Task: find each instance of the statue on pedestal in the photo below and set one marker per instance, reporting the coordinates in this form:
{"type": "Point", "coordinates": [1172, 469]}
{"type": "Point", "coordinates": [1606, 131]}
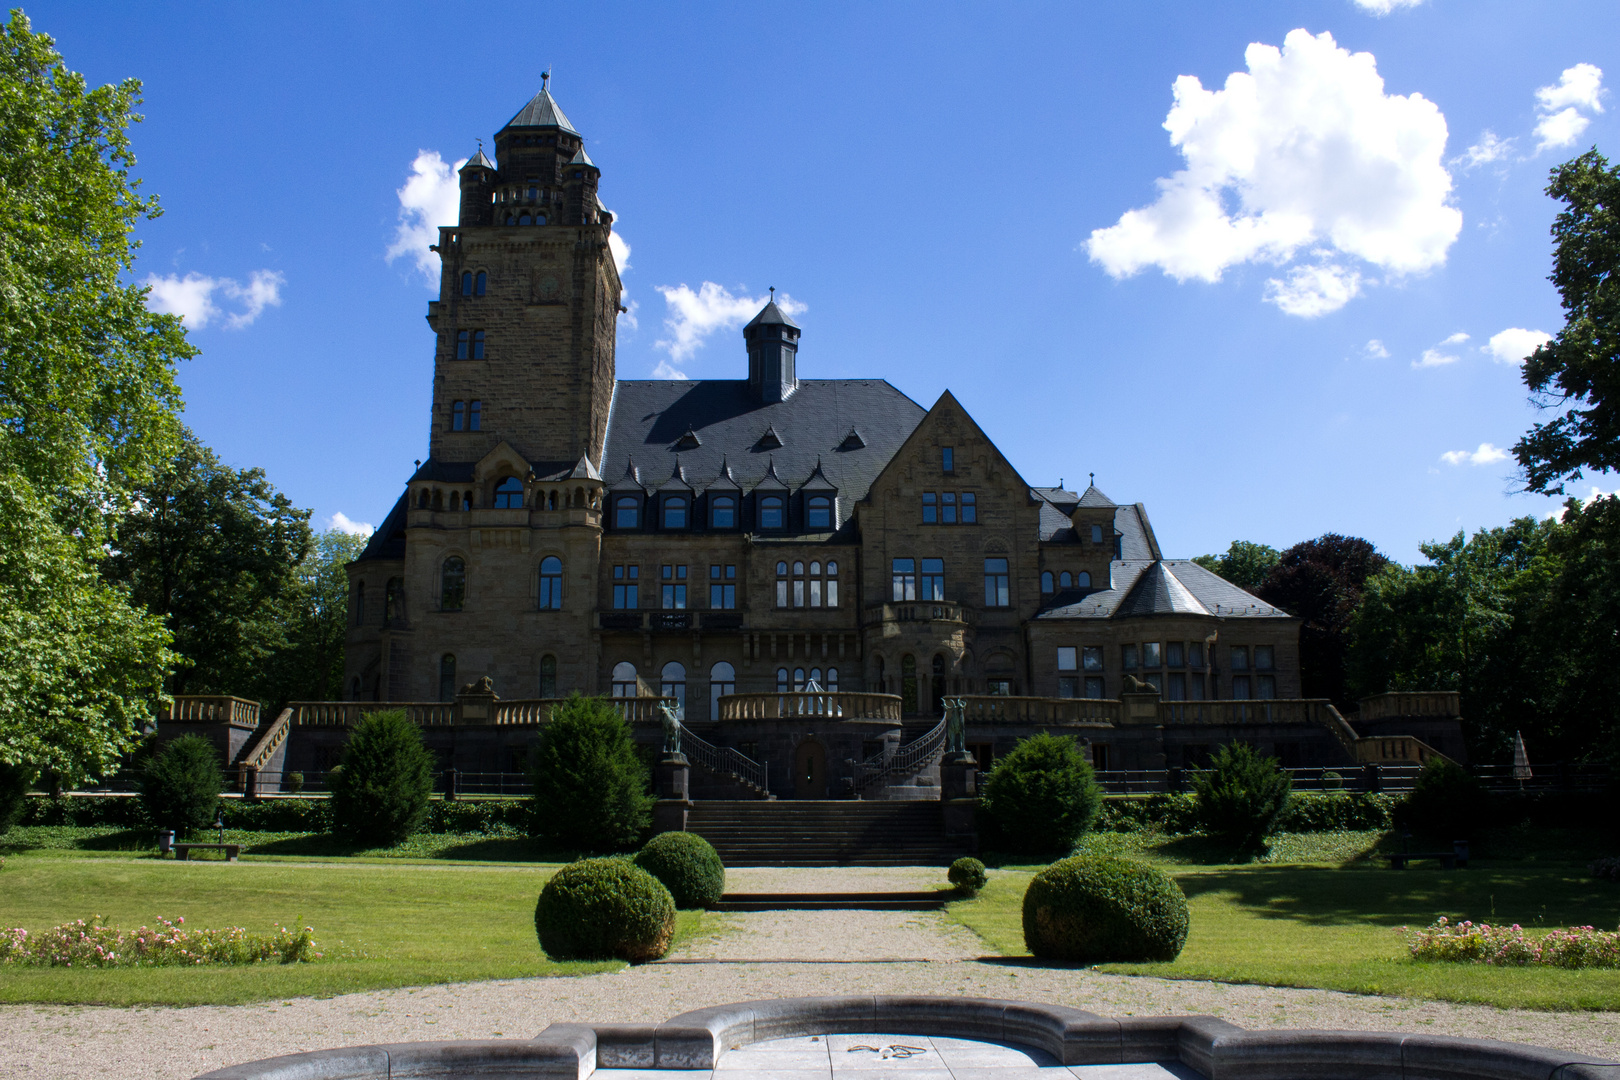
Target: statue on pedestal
{"type": "Point", "coordinates": [672, 730]}
{"type": "Point", "coordinates": [955, 726]}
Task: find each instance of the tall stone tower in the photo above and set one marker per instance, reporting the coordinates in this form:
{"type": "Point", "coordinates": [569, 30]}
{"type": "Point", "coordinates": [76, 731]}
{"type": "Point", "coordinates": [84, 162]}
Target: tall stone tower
{"type": "Point", "coordinates": [528, 300]}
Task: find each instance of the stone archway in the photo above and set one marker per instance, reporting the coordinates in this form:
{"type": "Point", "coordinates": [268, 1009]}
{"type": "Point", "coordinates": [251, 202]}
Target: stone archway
{"type": "Point", "coordinates": [810, 770]}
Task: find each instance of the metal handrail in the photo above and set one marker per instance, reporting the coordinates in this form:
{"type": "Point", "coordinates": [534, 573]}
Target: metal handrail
{"type": "Point", "coordinates": [911, 758]}
{"type": "Point", "coordinates": [723, 760]}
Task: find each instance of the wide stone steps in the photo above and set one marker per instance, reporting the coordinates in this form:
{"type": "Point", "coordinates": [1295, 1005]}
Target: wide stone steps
{"type": "Point", "coordinates": [825, 833]}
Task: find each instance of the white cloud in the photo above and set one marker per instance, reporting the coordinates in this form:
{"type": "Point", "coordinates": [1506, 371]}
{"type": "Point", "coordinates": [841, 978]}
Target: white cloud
{"type": "Point", "coordinates": [1513, 345]}
{"type": "Point", "coordinates": [1560, 105]}
{"type": "Point", "coordinates": [693, 316]}
{"type": "Point", "coordinates": [1488, 149]}
{"type": "Point", "coordinates": [1384, 7]}
{"type": "Point", "coordinates": [1304, 151]}
{"type": "Point", "coordinates": [341, 522]}
{"type": "Point", "coordinates": [1435, 356]}
{"type": "Point", "coordinates": [1485, 455]}
{"type": "Point", "coordinates": [1315, 290]}
{"type": "Point", "coordinates": [430, 197]}
{"type": "Point", "coordinates": [193, 297]}
{"type": "Point", "coordinates": [1375, 350]}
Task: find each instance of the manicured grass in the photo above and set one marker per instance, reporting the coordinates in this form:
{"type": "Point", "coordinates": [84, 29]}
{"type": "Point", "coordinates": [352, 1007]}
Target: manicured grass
{"type": "Point", "coordinates": [119, 840]}
{"type": "Point", "coordinates": [381, 924]}
{"type": "Point", "coordinates": [1334, 927]}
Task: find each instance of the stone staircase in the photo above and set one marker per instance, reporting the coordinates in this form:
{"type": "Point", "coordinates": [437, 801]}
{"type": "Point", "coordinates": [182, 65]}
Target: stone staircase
{"type": "Point", "coordinates": [826, 833]}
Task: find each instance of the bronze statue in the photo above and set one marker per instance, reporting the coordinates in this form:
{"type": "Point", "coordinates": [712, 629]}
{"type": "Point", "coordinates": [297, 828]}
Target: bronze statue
{"type": "Point", "coordinates": [955, 726]}
{"type": "Point", "coordinates": [672, 730]}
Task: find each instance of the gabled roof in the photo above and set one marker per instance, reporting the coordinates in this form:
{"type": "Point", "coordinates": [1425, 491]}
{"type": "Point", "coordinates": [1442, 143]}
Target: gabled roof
{"type": "Point", "coordinates": [1094, 498]}
{"type": "Point", "coordinates": [770, 479]}
{"type": "Point", "coordinates": [630, 481]}
{"type": "Point", "coordinates": [581, 158]}
{"type": "Point", "coordinates": [818, 481]}
{"type": "Point", "coordinates": [584, 470]}
{"type": "Point", "coordinates": [541, 111]}
{"type": "Point", "coordinates": [1143, 587]}
{"type": "Point", "coordinates": [1159, 592]}
{"type": "Point", "coordinates": [771, 315]}
{"type": "Point", "coordinates": [724, 481]}
{"type": "Point", "coordinates": [677, 479]}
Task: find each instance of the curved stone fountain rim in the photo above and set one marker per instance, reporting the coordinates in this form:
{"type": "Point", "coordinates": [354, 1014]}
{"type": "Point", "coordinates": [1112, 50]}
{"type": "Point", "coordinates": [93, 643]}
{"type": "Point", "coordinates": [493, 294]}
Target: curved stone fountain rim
{"type": "Point", "coordinates": [695, 1040]}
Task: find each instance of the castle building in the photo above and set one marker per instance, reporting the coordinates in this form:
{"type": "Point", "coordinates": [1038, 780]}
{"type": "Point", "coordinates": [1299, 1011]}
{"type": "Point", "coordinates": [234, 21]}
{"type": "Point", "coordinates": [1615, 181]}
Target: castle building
{"type": "Point", "coordinates": [570, 530]}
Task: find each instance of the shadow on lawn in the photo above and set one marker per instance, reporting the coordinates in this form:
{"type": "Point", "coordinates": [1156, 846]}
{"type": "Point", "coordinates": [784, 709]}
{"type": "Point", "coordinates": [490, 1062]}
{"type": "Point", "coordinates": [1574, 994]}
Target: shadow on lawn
{"type": "Point", "coordinates": [422, 846]}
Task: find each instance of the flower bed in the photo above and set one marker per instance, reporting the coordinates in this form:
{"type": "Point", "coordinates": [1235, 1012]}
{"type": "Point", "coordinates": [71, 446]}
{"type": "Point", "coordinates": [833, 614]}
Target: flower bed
{"type": "Point", "coordinates": [1511, 946]}
{"type": "Point", "coordinates": [94, 944]}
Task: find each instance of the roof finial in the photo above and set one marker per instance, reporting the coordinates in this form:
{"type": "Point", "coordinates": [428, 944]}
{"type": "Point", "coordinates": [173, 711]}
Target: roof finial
{"type": "Point", "coordinates": [1093, 479]}
{"type": "Point", "coordinates": [545, 77]}
{"type": "Point", "coordinates": [773, 294]}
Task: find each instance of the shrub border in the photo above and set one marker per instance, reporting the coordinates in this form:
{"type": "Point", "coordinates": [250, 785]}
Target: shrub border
{"type": "Point", "coordinates": [695, 1040]}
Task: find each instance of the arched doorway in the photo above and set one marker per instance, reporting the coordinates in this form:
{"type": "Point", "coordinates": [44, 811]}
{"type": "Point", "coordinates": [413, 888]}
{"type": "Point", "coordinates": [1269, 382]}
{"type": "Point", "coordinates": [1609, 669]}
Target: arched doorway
{"type": "Point", "coordinates": [810, 770]}
{"type": "Point", "coordinates": [673, 685]}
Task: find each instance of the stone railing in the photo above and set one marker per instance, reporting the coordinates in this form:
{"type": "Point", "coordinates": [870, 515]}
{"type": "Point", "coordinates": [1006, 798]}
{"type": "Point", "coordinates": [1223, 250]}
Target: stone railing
{"type": "Point", "coordinates": [884, 768]}
{"type": "Point", "coordinates": [1002, 709]}
{"type": "Point", "coordinates": [724, 761]}
{"type": "Point", "coordinates": [842, 706]}
{"type": "Point", "coordinates": [1441, 703]}
{"type": "Point", "coordinates": [1246, 711]}
{"type": "Point", "coordinates": [642, 710]}
{"type": "Point", "coordinates": [920, 611]}
{"type": "Point", "coordinates": [212, 709]}
{"type": "Point", "coordinates": [273, 737]}
{"type": "Point", "coordinates": [1396, 750]}
{"type": "Point", "coordinates": [348, 713]}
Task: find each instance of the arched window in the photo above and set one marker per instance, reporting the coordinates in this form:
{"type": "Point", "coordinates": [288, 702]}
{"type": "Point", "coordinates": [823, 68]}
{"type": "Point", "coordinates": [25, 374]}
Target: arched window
{"type": "Point", "coordinates": [509, 494]}
{"type": "Point", "coordinates": [1065, 581]}
{"type": "Point", "coordinates": [438, 500]}
{"type": "Point", "coordinates": [466, 283]}
{"type": "Point", "coordinates": [722, 681]}
{"type": "Point", "coordinates": [477, 347]}
{"type": "Point", "coordinates": [781, 680]}
{"type": "Point", "coordinates": [466, 500]}
{"type": "Point", "coordinates": [463, 344]}
{"type": "Point", "coordinates": [908, 684]}
{"type": "Point", "coordinates": [722, 512]}
{"type": "Point", "coordinates": [550, 584]}
{"type": "Point", "coordinates": [626, 512]}
{"type": "Point", "coordinates": [509, 219]}
{"type": "Point", "coordinates": [1046, 581]}
{"type": "Point", "coordinates": [539, 219]}
{"type": "Point", "coordinates": [525, 220]}
{"type": "Point", "coordinates": [832, 680]}
{"type": "Point", "coordinates": [354, 688]}
{"type": "Point", "coordinates": [798, 679]}
{"type": "Point", "coordinates": [673, 684]}
{"type": "Point", "coordinates": [480, 284]}
{"type": "Point", "coordinates": [819, 513]}
{"type": "Point", "coordinates": [548, 676]}
{"type": "Point", "coordinates": [359, 603]}
{"type": "Point", "coordinates": [447, 677]}
{"type": "Point", "coordinates": [393, 601]}
{"type": "Point", "coordinates": [674, 511]}
{"type": "Point", "coordinates": [1083, 579]}
{"type": "Point", "coordinates": [551, 501]}
{"type": "Point", "coordinates": [624, 680]}
{"type": "Point", "coordinates": [422, 499]}
{"type": "Point", "coordinates": [452, 584]}
{"type": "Point", "coordinates": [936, 685]}
{"type": "Point", "coordinates": [475, 409]}
{"type": "Point", "coordinates": [770, 512]}
{"type": "Point", "coordinates": [458, 416]}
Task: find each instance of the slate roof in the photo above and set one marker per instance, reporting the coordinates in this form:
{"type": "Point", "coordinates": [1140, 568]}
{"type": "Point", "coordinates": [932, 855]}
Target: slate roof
{"type": "Point", "coordinates": [650, 416]}
{"type": "Point", "coordinates": [582, 158]}
{"type": "Point", "coordinates": [771, 315]}
{"type": "Point", "coordinates": [1093, 497]}
{"type": "Point", "coordinates": [541, 111]}
{"type": "Point", "coordinates": [388, 542]}
{"type": "Point", "coordinates": [1147, 587]}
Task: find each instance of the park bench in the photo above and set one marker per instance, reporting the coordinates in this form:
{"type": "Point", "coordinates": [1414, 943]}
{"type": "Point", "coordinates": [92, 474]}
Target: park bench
{"type": "Point", "coordinates": [183, 851]}
{"type": "Point", "coordinates": [1456, 858]}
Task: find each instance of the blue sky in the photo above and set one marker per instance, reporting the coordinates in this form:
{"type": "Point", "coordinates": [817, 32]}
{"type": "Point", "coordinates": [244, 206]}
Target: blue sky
{"type": "Point", "coordinates": [1266, 345]}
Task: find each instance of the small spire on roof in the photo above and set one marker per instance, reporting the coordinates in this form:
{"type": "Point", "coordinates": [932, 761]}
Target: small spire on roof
{"type": "Point", "coordinates": [545, 77]}
{"type": "Point", "coordinates": [1093, 479]}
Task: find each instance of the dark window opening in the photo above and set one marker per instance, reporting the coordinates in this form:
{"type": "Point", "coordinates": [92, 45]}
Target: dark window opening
{"type": "Point", "coordinates": [509, 494]}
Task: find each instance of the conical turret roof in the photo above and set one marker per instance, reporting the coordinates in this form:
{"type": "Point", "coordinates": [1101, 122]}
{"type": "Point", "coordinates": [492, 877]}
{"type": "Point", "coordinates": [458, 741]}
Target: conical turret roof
{"type": "Point", "coordinates": [542, 111]}
{"type": "Point", "coordinates": [770, 314]}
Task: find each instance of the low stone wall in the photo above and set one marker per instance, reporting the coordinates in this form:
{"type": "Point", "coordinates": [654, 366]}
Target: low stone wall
{"type": "Point", "coordinates": [695, 1040]}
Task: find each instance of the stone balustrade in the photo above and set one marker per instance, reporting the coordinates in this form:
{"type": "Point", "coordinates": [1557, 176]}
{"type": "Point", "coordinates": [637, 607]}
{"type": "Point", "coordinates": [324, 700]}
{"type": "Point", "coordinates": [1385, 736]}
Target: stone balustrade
{"type": "Point", "coordinates": [781, 706]}
{"type": "Point", "coordinates": [1440, 703]}
{"type": "Point", "coordinates": [1004, 709]}
{"type": "Point", "coordinates": [1255, 711]}
{"type": "Point", "coordinates": [211, 709]}
{"type": "Point", "coordinates": [920, 611]}
{"type": "Point", "coordinates": [348, 713]}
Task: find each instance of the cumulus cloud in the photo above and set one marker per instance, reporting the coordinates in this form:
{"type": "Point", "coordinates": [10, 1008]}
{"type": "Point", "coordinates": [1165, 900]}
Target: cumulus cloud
{"type": "Point", "coordinates": [1513, 345]}
{"type": "Point", "coordinates": [1375, 350]}
{"type": "Point", "coordinates": [1488, 149]}
{"type": "Point", "coordinates": [1579, 90]}
{"type": "Point", "coordinates": [1485, 455]}
{"type": "Point", "coordinates": [695, 315]}
{"type": "Point", "coordinates": [343, 524]}
{"type": "Point", "coordinates": [193, 297]}
{"type": "Point", "coordinates": [1437, 356]}
{"type": "Point", "coordinates": [430, 197]}
{"type": "Point", "coordinates": [1302, 152]}
{"type": "Point", "coordinates": [1384, 7]}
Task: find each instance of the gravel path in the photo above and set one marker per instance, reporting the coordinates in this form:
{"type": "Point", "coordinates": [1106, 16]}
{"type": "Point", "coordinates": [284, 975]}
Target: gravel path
{"type": "Point", "coordinates": [68, 1043]}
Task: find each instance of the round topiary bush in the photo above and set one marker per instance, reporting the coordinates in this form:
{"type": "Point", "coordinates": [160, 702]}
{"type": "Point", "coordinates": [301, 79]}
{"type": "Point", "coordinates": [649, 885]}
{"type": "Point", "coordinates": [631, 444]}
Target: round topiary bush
{"type": "Point", "coordinates": [1096, 909]}
{"type": "Point", "coordinates": [380, 793]}
{"type": "Point", "coordinates": [604, 909]}
{"type": "Point", "coordinates": [967, 874]}
{"type": "Point", "coordinates": [180, 784]}
{"type": "Point", "coordinates": [688, 866]}
{"type": "Point", "coordinates": [1041, 797]}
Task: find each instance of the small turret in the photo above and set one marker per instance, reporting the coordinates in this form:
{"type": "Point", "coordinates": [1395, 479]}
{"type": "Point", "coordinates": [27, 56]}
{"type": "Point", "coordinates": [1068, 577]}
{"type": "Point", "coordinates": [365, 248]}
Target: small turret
{"type": "Point", "coordinates": [773, 348]}
{"type": "Point", "coordinates": [477, 182]}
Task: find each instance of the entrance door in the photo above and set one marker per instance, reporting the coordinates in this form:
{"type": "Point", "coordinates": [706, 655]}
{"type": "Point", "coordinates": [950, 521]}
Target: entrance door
{"type": "Point", "coordinates": [810, 770]}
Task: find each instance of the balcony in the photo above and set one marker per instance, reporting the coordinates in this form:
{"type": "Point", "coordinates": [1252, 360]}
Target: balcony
{"type": "Point", "coordinates": [916, 611]}
{"type": "Point", "coordinates": [784, 706]}
{"type": "Point", "coordinates": [669, 620]}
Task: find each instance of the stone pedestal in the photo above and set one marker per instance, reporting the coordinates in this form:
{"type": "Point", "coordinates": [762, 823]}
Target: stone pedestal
{"type": "Point", "coordinates": [673, 779]}
{"type": "Point", "coordinates": [959, 776]}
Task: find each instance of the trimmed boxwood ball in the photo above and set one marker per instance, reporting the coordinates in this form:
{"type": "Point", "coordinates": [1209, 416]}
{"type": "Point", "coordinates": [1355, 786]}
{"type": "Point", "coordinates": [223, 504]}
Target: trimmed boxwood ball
{"type": "Point", "coordinates": [688, 866]}
{"type": "Point", "coordinates": [604, 909]}
{"type": "Point", "coordinates": [1098, 909]}
{"type": "Point", "coordinates": [967, 874]}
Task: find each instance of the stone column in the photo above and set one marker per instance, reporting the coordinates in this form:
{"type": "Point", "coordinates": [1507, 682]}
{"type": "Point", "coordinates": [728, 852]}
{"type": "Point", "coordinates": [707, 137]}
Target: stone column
{"type": "Point", "coordinates": [959, 791]}
{"type": "Point", "coordinates": [673, 775]}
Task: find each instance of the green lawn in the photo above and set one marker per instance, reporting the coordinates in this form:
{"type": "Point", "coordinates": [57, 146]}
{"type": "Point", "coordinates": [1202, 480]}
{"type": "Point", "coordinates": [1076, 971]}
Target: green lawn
{"type": "Point", "coordinates": [381, 923]}
{"type": "Point", "coordinates": [1331, 926]}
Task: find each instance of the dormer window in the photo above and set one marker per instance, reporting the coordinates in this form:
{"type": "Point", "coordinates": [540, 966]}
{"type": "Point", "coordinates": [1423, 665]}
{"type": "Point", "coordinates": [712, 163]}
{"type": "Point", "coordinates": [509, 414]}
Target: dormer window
{"type": "Point", "coordinates": [852, 441]}
{"type": "Point", "coordinates": [509, 494]}
{"type": "Point", "coordinates": [818, 513]}
{"type": "Point", "coordinates": [772, 512]}
{"type": "Point", "coordinates": [626, 512]}
{"type": "Point", "coordinates": [675, 511]}
{"type": "Point", "coordinates": [722, 512]}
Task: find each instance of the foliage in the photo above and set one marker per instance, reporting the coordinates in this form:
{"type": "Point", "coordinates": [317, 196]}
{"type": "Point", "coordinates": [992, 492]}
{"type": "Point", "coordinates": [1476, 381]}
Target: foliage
{"type": "Point", "coordinates": [1242, 797]}
{"type": "Point", "coordinates": [381, 794]}
{"type": "Point", "coordinates": [967, 876]}
{"type": "Point", "coordinates": [15, 780]}
{"type": "Point", "coordinates": [1041, 797]}
{"type": "Point", "coordinates": [1309, 812]}
{"type": "Point", "coordinates": [1605, 869]}
{"type": "Point", "coordinates": [181, 783]}
{"type": "Point", "coordinates": [1580, 368]}
{"type": "Point", "coordinates": [1320, 582]}
{"type": "Point", "coordinates": [590, 784]}
{"type": "Point", "coordinates": [93, 944]}
{"type": "Point", "coordinates": [1482, 943]}
{"type": "Point", "coordinates": [604, 909]}
{"type": "Point", "coordinates": [1094, 909]}
{"type": "Point", "coordinates": [219, 554]}
{"type": "Point", "coordinates": [688, 866]}
{"type": "Point", "coordinates": [1445, 803]}
{"type": "Point", "coordinates": [88, 403]}
{"type": "Point", "coordinates": [1245, 564]}
{"type": "Point", "coordinates": [315, 671]}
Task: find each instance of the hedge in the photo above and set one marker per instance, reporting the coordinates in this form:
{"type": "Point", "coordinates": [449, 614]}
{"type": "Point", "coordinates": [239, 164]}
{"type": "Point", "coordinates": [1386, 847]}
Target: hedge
{"type": "Point", "coordinates": [491, 816]}
{"type": "Point", "coordinates": [1306, 812]}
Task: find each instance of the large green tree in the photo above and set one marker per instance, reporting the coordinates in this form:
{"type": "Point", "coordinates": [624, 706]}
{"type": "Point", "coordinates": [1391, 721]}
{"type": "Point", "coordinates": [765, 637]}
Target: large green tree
{"type": "Point", "coordinates": [1245, 563]}
{"type": "Point", "coordinates": [1320, 582]}
{"type": "Point", "coordinates": [1579, 370]}
{"type": "Point", "coordinates": [88, 404]}
{"type": "Point", "coordinates": [322, 618]}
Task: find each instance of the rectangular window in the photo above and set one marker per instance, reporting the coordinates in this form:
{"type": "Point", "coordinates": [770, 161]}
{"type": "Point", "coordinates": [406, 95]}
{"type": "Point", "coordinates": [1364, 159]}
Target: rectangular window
{"type": "Point", "coordinates": [781, 592]}
{"type": "Point", "coordinates": [930, 508]}
{"type": "Point", "coordinates": [1240, 687]}
{"type": "Point", "coordinates": [1264, 658]}
{"type": "Point", "coordinates": [815, 592]}
{"type": "Point", "coordinates": [1151, 657]}
{"type": "Point", "coordinates": [798, 592]}
{"type": "Point", "coordinates": [947, 508]}
{"type": "Point", "coordinates": [1127, 657]}
{"type": "Point", "coordinates": [1266, 688]}
{"type": "Point", "coordinates": [1195, 688]}
{"type": "Point", "coordinates": [998, 687]}
{"type": "Point", "coordinates": [1099, 756]}
{"type": "Point", "coordinates": [475, 411]}
{"type": "Point", "coordinates": [1066, 658]}
{"type": "Point", "coordinates": [1096, 534]}
{"type": "Point", "coordinates": [624, 587]}
{"type": "Point", "coordinates": [674, 588]}
{"type": "Point", "coordinates": [1240, 658]}
{"type": "Point", "coordinates": [1094, 686]}
{"type": "Point", "coordinates": [1068, 686]}
{"type": "Point", "coordinates": [933, 580]}
{"type": "Point", "coordinates": [947, 459]}
{"type": "Point", "coordinates": [458, 416]}
{"type": "Point", "coordinates": [1177, 686]}
{"type": "Point", "coordinates": [1195, 654]}
{"type": "Point", "coordinates": [1173, 656]}
{"type": "Point", "coordinates": [904, 579]}
{"type": "Point", "coordinates": [970, 508]}
{"type": "Point", "coordinates": [1092, 657]}
{"type": "Point", "coordinates": [1155, 680]}
{"type": "Point", "coordinates": [722, 597]}
{"type": "Point", "coordinates": [832, 591]}
{"type": "Point", "coordinates": [997, 587]}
